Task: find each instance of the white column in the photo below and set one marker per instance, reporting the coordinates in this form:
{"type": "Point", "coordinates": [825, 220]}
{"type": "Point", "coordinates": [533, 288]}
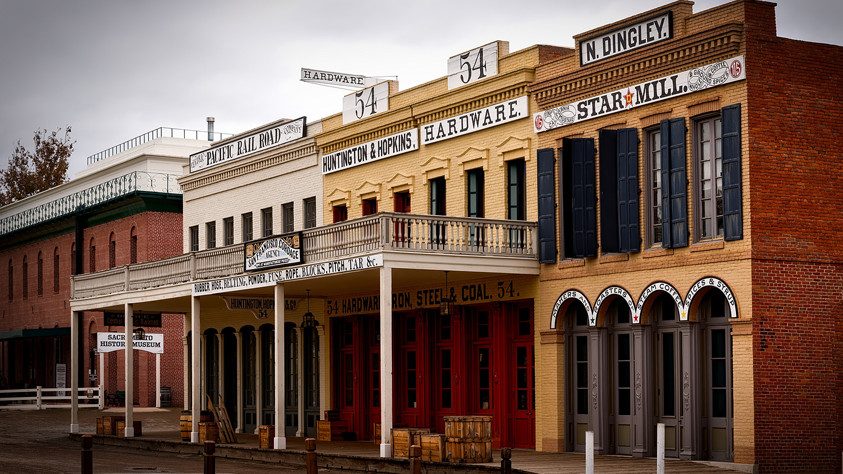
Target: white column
{"type": "Point", "coordinates": [74, 370]}
{"type": "Point", "coordinates": [239, 373]}
{"type": "Point", "coordinates": [660, 448]}
{"type": "Point", "coordinates": [258, 380]}
{"type": "Point", "coordinates": [386, 360]}
{"type": "Point", "coordinates": [185, 365]}
{"type": "Point", "coordinates": [158, 380]}
{"type": "Point", "coordinates": [128, 326]}
{"type": "Point", "coordinates": [195, 337]}
{"type": "Point", "coordinates": [589, 452]}
{"type": "Point", "coordinates": [300, 382]}
{"type": "Point", "coordinates": [324, 376]}
{"type": "Point", "coordinates": [221, 368]}
{"type": "Point", "coordinates": [102, 380]}
{"type": "Point", "coordinates": [280, 383]}
{"type": "Point", "coordinates": [203, 359]}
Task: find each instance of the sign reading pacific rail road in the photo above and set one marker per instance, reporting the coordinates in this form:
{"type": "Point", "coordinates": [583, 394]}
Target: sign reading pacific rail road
{"type": "Point", "coordinates": [249, 144]}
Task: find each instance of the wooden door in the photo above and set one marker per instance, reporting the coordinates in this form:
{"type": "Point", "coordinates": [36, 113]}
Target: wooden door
{"type": "Point", "coordinates": [522, 381]}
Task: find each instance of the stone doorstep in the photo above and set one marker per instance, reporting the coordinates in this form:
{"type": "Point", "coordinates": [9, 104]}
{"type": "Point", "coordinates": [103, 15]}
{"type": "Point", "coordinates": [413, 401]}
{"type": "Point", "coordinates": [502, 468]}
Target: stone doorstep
{"type": "Point", "coordinates": [290, 457]}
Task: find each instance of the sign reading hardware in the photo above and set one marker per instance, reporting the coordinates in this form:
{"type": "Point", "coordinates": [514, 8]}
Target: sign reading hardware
{"type": "Point", "coordinates": [475, 120]}
{"type": "Point", "coordinates": [139, 319]}
{"type": "Point", "coordinates": [365, 103]}
{"type": "Point", "coordinates": [471, 66]}
{"type": "Point", "coordinates": [685, 82]}
{"type": "Point", "coordinates": [335, 78]}
{"type": "Point", "coordinates": [278, 251]}
{"type": "Point", "coordinates": [401, 142]}
{"type": "Point", "coordinates": [116, 341]}
{"type": "Point", "coordinates": [262, 280]}
{"type": "Point", "coordinates": [626, 39]}
{"type": "Point", "coordinates": [263, 140]}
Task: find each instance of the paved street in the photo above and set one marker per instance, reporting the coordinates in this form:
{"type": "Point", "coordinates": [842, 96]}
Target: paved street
{"type": "Point", "coordinates": [37, 441]}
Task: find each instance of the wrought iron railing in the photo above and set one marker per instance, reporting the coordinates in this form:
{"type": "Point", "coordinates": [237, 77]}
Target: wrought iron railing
{"type": "Point", "coordinates": [160, 132]}
{"type": "Point", "coordinates": [385, 231]}
{"type": "Point", "coordinates": [95, 195]}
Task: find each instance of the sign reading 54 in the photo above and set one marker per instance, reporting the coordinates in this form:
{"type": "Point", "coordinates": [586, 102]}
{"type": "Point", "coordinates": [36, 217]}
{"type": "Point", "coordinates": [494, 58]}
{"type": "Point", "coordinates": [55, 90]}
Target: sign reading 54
{"type": "Point", "coordinates": [365, 103]}
{"type": "Point", "coordinates": [473, 65]}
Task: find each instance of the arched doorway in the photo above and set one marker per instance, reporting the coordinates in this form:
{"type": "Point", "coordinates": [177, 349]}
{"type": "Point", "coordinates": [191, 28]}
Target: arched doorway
{"type": "Point", "coordinates": [229, 356]}
{"type": "Point", "coordinates": [248, 369]}
{"type": "Point", "coordinates": [577, 331]}
{"type": "Point", "coordinates": [667, 358]}
{"type": "Point", "coordinates": [210, 365]}
{"type": "Point", "coordinates": [622, 362]}
{"type": "Point", "coordinates": [291, 373]}
{"type": "Point", "coordinates": [311, 379]}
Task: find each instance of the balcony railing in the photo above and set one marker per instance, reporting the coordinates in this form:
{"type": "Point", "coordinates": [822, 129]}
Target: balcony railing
{"type": "Point", "coordinates": [101, 193]}
{"type": "Point", "coordinates": [385, 231]}
{"type": "Point", "coordinates": [160, 132]}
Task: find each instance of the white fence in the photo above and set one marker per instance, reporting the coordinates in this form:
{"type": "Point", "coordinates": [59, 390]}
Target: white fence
{"type": "Point", "coordinates": [40, 398]}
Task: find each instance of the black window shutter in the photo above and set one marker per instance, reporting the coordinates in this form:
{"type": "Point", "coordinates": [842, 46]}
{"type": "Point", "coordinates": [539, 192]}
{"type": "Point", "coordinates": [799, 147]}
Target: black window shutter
{"type": "Point", "coordinates": [628, 191]}
{"type": "Point", "coordinates": [678, 185]}
{"type": "Point", "coordinates": [732, 196]}
{"type": "Point", "coordinates": [667, 237]}
{"type": "Point", "coordinates": [566, 225]}
{"type": "Point", "coordinates": [609, 191]}
{"type": "Point", "coordinates": [584, 199]}
{"type": "Point", "coordinates": [547, 205]}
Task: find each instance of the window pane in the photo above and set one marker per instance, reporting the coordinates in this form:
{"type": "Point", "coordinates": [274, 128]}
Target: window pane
{"type": "Point", "coordinates": [718, 403]}
{"type": "Point", "coordinates": [668, 408]}
{"type": "Point", "coordinates": [582, 348]}
{"type": "Point", "coordinates": [623, 346]}
{"type": "Point", "coordinates": [582, 401]}
{"type": "Point", "coordinates": [582, 374]}
{"type": "Point", "coordinates": [718, 343]}
{"type": "Point", "coordinates": [623, 374]}
{"type": "Point", "coordinates": [623, 401]}
{"type": "Point", "coordinates": [718, 373]}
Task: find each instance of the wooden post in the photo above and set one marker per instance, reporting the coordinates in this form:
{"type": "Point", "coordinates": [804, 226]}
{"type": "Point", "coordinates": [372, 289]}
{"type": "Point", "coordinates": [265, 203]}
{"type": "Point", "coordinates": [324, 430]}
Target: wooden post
{"type": "Point", "coordinates": [210, 460]}
{"type": "Point", "coordinates": [87, 454]}
{"type": "Point", "coordinates": [506, 460]}
{"type": "Point", "coordinates": [310, 456]}
{"type": "Point", "coordinates": [415, 459]}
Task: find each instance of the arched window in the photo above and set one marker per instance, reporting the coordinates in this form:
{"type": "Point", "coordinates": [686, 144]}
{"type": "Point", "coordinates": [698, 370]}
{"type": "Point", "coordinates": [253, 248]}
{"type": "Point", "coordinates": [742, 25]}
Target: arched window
{"type": "Point", "coordinates": [11, 280]}
{"type": "Point", "coordinates": [56, 270]}
{"type": "Point", "coordinates": [133, 246]}
{"type": "Point", "coordinates": [73, 258]}
{"type": "Point", "coordinates": [40, 283]}
{"type": "Point", "coordinates": [112, 251]}
{"type": "Point", "coordinates": [92, 256]}
{"type": "Point", "coordinates": [25, 277]}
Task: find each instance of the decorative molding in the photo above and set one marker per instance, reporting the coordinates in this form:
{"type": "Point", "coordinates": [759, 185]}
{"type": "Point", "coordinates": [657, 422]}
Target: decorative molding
{"type": "Point", "coordinates": [513, 148]}
{"type": "Point", "coordinates": [594, 387]}
{"type": "Point", "coordinates": [339, 196]}
{"type": "Point", "coordinates": [435, 167]}
{"type": "Point", "coordinates": [686, 393]}
{"type": "Point", "coordinates": [368, 190]}
{"type": "Point", "coordinates": [473, 158]}
{"type": "Point", "coordinates": [638, 389]}
{"type": "Point", "coordinates": [399, 183]}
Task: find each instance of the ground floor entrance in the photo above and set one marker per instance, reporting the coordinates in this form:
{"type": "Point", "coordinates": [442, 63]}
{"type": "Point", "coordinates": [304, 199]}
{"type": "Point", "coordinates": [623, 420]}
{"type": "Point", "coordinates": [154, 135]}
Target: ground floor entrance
{"type": "Point", "coordinates": [475, 360]}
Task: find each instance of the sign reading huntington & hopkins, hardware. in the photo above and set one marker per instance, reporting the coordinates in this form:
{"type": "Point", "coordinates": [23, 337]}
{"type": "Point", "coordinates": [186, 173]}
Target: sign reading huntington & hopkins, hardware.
{"type": "Point", "coordinates": [270, 252]}
{"type": "Point", "coordinates": [469, 122]}
{"type": "Point", "coordinates": [249, 144]}
{"type": "Point", "coordinates": [685, 82]}
{"type": "Point", "coordinates": [386, 147]}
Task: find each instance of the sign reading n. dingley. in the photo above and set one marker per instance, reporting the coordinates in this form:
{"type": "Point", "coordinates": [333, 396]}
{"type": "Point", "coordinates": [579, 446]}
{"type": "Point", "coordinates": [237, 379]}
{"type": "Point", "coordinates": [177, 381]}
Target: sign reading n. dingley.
{"type": "Point", "coordinates": [491, 116]}
{"type": "Point", "coordinates": [685, 82]}
{"type": "Point", "coordinates": [116, 341]}
{"type": "Point", "coordinates": [626, 38]}
{"type": "Point", "coordinates": [249, 144]}
{"type": "Point", "coordinates": [396, 144]}
{"type": "Point", "coordinates": [278, 251]}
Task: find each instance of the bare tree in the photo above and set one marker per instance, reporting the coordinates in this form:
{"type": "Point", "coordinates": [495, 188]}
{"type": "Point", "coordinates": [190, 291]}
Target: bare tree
{"type": "Point", "coordinates": [29, 172]}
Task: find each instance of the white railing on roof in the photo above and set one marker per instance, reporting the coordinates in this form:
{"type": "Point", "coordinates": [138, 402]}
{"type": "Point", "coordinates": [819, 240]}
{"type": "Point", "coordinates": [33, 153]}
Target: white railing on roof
{"type": "Point", "coordinates": [160, 132]}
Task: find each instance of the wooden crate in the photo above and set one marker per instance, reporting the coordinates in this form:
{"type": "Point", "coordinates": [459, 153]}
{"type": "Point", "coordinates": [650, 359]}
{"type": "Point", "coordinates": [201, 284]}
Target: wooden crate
{"type": "Point", "coordinates": [468, 439]}
{"type": "Point", "coordinates": [432, 447]}
{"type": "Point", "coordinates": [120, 428]}
{"type": "Point", "coordinates": [100, 429]}
{"type": "Point", "coordinates": [459, 450]}
{"type": "Point", "coordinates": [376, 429]}
{"type": "Point", "coordinates": [186, 422]}
{"type": "Point", "coordinates": [266, 436]}
{"type": "Point", "coordinates": [109, 424]}
{"type": "Point", "coordinates": [209, 431]}
{"type": "Point", "coordinates": [323, 430]}
{"type": "Point", "coordinates": [403, 438]}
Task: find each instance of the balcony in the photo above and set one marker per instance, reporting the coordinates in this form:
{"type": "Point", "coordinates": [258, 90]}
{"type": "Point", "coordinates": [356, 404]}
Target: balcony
{"type": "Point", "coordinates": [382, 232]}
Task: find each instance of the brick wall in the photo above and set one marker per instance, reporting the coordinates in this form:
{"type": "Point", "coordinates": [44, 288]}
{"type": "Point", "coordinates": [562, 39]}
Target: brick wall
{"type": "Point", "coordinates": [797, 226]}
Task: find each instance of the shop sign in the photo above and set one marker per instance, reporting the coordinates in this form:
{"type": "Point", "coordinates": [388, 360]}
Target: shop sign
{"type": "Point", "coordinates": [626, 39]}
{"type": "Point", "coordinates": [401, 142]}
{"type": "Point", "coordinates": [572, 295]}
{"type": "Point", "coordinates": [261, 280]}
{"type": "Point", "coordinates": [473, 65]}
{"type": "Point", "coordinates": [716, 283]}
{"type": "Point", "coordinates": [469, 122]}
{"type": "Point", "coordinates": [248, 145]}
{"type": "Point", "coordinates": [116, 341]}
{"type": "Point", "coordinates": [262, 308]}
{"type": "Point", "coordinates": [139, 319]}
{"type": "Point", "coordinates": [430, 297]}
{"type": "Point", "coordinates": [659, 286]}
{"type": "Point", "coordinates": [316, 76]}
{"type": "Point", "coordinates": [619, 291]}
{"type": "Point", "coordinates": [271, 252]}
{"type": "Point", "coordinates": [685, 82]}
{"type": "Point", "coordinates": [365, 103]}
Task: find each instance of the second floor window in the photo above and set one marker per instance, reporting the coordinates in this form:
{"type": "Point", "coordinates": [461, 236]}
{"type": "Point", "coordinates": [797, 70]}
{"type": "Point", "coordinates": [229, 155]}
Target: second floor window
{"type": "Point", "coordinates": [112, 251]}
{"type": "Point", "coordinates": [474, 188]}
{"type": "Point", "coordinates": [266, 222]}
{"type": "Point", "coordinates": [709, 154]}
{"type": "Point", "coordinates": [40, 283]}
{"type": "Point", "coordinates": [25, 278]}
{"type": "Point", "coordinates": [211, 234]}
{"type": "Point", "coordinates": [516, 195]}
{"type": "Point", "coordinates": [228, 230]}
{"type": "Point", "coordinates": [194, 238]}
{"type": "Point", "coordinates": [11, 281]}
{"type": "Point", "coordinates": [92, 257]}
{"type": "Point", "coordinates": [309, 212]}
{"type": "Point", "coordinates": [340, 213]}
{"type": "Point", "coordinates": [246, 220]}
{"type": "Point", "coordinates": [133, 246]}
{"type": "Point", "coordinates": [287, 217]}
{"type": "Point", "coordinates": [56, 270]}
{"type": "Point", "coordinates": [654, 187]}
{"type": "Point", "coordinates": [370, 206]}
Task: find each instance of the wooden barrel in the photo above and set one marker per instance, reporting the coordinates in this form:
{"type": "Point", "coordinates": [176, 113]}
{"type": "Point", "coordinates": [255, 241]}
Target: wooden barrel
{"type": "Point", "coordinates": [209, 431]}
{"type": "Point", "coordinates": [468, 438]}
{"type": "Point", "coordinates": [186, 422]}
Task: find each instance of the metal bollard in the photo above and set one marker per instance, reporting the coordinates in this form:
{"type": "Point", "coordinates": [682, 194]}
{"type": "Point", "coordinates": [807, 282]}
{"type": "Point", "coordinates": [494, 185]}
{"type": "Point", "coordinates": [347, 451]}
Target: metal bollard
{"type": "Point", "coordinates": [87, 454]}
{"type": "Point", "coordinates": [506, 460]}
{"type": "Point", "coordinates": [310, 456]}
{"type": "Point", "coordinates": [660, 448]}
{"type": "Point", "coordinates": [589, 452]}
{"type": "Point", "coordinates": [210, 460]}
{"type": "Point", "coordinates": [415, 459]}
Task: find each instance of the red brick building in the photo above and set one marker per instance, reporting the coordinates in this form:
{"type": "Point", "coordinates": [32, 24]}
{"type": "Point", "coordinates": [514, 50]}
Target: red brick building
{"type": "Point", "coordinates": [124, 208]}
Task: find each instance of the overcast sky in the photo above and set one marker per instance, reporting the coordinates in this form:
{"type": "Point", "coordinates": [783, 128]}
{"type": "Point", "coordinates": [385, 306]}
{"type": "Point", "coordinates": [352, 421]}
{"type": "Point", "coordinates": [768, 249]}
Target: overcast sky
{"type": "Point", "coordinates": [116, 69]}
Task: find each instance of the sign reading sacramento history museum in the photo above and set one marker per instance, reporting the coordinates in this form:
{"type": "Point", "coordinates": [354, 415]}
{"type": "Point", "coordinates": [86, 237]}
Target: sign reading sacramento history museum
{"type": "Point", "coordinates": [249, 144]}
{"type": "Point", "coordinates": [368, 152]}
{"type": "Point", "coordinates": [685, 82]}
{"type": "Point", "coordinates": [273, 252]}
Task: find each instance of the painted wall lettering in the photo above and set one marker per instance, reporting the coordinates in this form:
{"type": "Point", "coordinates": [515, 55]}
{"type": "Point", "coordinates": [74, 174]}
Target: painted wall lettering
{"type": "Point", "coordinates": [401, 142]}
{"type": "Point", "coordinates": [491, 116]}
{"type": "Point", "coordinates": [627, 38]}
{"type": "Point", "coordinates": [249, 144]}
{"type": "Point", "coordinates": [473, 65]}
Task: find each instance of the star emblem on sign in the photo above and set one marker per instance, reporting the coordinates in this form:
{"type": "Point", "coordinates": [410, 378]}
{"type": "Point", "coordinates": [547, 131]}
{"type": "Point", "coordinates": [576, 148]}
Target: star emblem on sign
{"type": "Point", "coordinates": [628, 97]}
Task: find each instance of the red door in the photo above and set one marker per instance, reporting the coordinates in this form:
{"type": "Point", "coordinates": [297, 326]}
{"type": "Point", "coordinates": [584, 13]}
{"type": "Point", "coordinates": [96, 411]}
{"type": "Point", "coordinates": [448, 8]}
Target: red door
{"type": "Point", "coordinates": [372, 399]}
{"type": "Point", "coordinates": [345, 377]}
{"type": "Point", "coordinates": [523, 380]}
